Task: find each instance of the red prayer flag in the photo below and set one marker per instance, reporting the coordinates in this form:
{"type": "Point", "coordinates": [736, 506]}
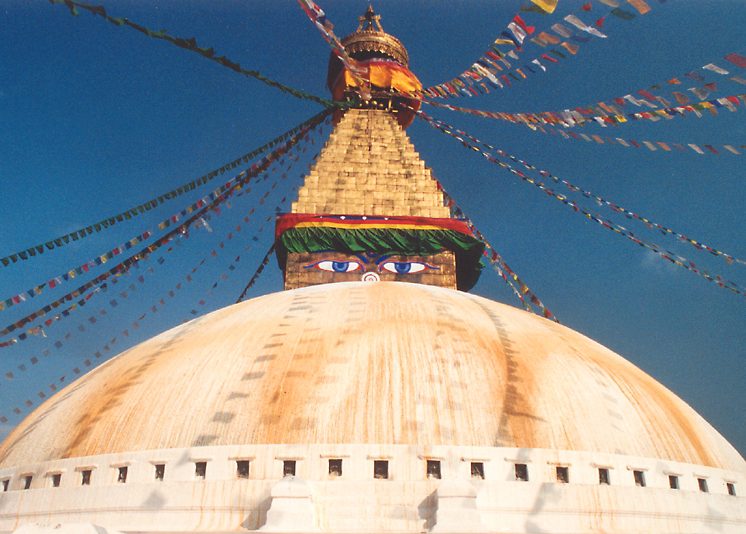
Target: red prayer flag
{"type": "Point", "coordinates": [600, 22]}
{"type": "Point", "coordinates": [737, 59]}
{"type": "Point", "coordinates": [587, 6]}
{"type": "Point", "coordinates": [528, 29]}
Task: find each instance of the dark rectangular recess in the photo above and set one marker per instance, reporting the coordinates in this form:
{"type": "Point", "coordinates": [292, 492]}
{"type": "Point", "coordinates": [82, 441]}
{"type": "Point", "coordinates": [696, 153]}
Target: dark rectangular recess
{"type": "Point", "coordinates": [639, 477]}
{"type": "Point", "coordinates": [702, 483]}
{"type": "Point", "coordinates": [433, 469]}
{"type": "Point", "coordinates": [673, 481]}
{"type": "Point", "coordinates": [288, 468]}
{"type": "Point", "coordinates": [731, 488]}
{"type": "Point", "coordinates": [56, 480]}
{"type": "Point", "coordinates": [160, 471]}
{"type": "Point", "coordinates": [27, 481]}
{"type": "Point", "coordinates": [563, 474]}
{"type": "Point", "coordinates": [6, 483]}
{"type": "Point", "coordinates": [85, 477]}
{"type": "Point", "coordinates": [200, 470]}
{"type": "Point", "coordinates": [380, 469]}
{"type": "Point", "coordinates": [122, 474]}
{"type": "Point", "coordinates": [477, 470]}
{"type": "Point", "coordinates": [242, 469]}
{"type": "Point", "coordinates": [521, 472]}
{"type": "Point", "coordinates": [335, 467]}
{"type": "Point", "coordinates": [603, 476]}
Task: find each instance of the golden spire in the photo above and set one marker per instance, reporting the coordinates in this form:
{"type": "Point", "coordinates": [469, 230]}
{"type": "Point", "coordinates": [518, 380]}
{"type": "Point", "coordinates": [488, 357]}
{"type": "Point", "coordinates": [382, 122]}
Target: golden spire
{"type": "Point", "coordinates": [371, 40]}
{"type": "Point", "coordinates": [369, 19]}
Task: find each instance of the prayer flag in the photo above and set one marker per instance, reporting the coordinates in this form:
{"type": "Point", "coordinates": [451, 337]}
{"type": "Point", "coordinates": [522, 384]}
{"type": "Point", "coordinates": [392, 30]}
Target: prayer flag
{"type": "Point", "coordinates": [715, 68]}
{"type": "Point", "coordinates": [538, 64]}
{"type": "Point", "coordinates": [579, 24]}
{"type": "Point", "coordinates": [737, 59]}
{"type": "Point", "coordinates": [610, 3]}
{"type": "Point", "coordinates": [701, 92]}
{"type": "Point", "coordinates": [528, 29]}
{"type": "Point", "coordinates": [640, 5]}
{"type": "Point", "coordinates": [573, 49]}
{"type": "Point", "coordinates": [547, 6]}
{"type": "Point", "coordinates": [548, 38]}
{"type": "Point", "coordinates": [696, 148]}
{"type": "Point", "coordinates": [681, 98]}
{"type": "Point", "coordinates": [561, 30]}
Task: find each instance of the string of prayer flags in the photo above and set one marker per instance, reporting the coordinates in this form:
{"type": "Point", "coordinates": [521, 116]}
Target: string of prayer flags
{"type": "Point", "coordinates": [128, 214]}
{"type": "Point", "coordinates": [573, 118]}
{"type": "Point", "coordinates": [257, 273]}
{"type": "Point", "coordinates": [202, 206]}
{"type": "Point", "coordinates": [604, 222]}
{"type": "Point", "coordinates": [76, 271]}
{"type": "Point", "coordinates": [33, 360]}
{"type": "Point", "coordinates": [322, 23]}
{"type": "Point", "coordinates": [500, 67]}
{"type": "Point", "coordinates": [601, 201]}
{"type": "Point", "coordinates": [519, 288]}
{"type": "Point", "coordinates": [191, 45]}
{"type": "Point", "coordinates": [89, 362]}
{"type": "Point", "coordinates": [653, 146]}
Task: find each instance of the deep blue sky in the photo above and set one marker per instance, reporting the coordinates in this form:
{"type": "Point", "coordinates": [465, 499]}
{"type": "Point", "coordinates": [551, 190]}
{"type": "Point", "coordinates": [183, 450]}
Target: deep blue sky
{"type": "Point", "coordinates": [95, 119]}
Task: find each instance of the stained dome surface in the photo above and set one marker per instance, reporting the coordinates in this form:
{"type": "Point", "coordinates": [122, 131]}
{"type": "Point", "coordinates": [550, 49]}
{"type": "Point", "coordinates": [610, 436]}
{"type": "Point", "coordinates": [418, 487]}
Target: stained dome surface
{"type": "Point", "coordinates": [354, 362]}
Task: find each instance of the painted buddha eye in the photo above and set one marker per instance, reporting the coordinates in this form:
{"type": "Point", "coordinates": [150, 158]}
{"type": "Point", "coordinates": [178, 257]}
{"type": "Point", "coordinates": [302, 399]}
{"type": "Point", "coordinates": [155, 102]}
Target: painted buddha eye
{"type": "Point", "coordinates": [336, 266]}
{"type": "Point", "coordinates": [406, 267]}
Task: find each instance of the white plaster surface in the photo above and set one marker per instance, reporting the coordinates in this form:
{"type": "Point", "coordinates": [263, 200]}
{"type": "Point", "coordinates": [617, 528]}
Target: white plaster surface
{"type": "Point", "coordinates": [362, 372]}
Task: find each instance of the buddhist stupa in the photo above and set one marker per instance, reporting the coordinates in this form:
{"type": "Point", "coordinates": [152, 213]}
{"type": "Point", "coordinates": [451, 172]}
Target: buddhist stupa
{"type": "Point", "coordinates": [372, 394]}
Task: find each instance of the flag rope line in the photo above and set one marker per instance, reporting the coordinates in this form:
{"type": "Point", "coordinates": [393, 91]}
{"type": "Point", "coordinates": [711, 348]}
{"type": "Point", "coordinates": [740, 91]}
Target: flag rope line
{"type": "Point", "coordinates": [191, 45]}
{"type": "Point", "coordinates": [498, 263]}
{"type": "Point", "coordinates": [105, 257]}
{"type": "Point", "coordinates": [571, 119]}
{"type": "Point", "coordinates": [88, 362]}
{"type": "Point", "coordinates": [216, 200]}
{"type": "Point", "coordinates": [599, 219]}
{"type": "Point", "coordinates": [486, 71]}
{"type": "Point", "coordinates": [258, 272]}
{"type": "Point", "coordinates": [317, 15]}
{"type": "Point", "coordinates": [103, 224]}
{"type": "Point", "coordinates": [699, 245]}
{"type": "Point", "coordinates": [188, 278]}
{"type": "Point", "coordinates": [652, 146]}
{"type": "Point", "coordinates": [97, 354]}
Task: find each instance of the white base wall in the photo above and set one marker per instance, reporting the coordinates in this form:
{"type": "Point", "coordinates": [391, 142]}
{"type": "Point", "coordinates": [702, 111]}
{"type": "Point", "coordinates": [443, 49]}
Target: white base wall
{"type": "Point", "coordinates": [357, 502]}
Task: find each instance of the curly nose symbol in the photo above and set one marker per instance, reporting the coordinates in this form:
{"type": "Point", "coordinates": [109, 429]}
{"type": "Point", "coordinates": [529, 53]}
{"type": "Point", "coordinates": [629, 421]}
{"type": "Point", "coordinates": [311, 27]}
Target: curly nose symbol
{"type": "Point", "coordinates": [371, 277]}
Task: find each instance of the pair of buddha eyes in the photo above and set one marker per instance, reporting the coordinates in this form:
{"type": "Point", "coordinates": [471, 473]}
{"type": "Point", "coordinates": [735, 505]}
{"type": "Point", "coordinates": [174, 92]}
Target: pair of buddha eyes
{"type": "Point", "coordinates": [396, 267]}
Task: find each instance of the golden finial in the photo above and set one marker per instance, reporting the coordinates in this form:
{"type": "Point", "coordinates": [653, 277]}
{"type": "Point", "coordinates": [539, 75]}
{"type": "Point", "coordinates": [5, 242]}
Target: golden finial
{"type": "Point", "coordinates": [369, 20]}
{"type": "Point", "coordinates": [370, 38]}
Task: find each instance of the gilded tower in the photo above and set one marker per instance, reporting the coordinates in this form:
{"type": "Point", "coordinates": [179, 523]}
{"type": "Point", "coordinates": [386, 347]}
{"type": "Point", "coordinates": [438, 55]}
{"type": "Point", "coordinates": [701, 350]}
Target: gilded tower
{"type": "Point", "coordinates": [369, 208]}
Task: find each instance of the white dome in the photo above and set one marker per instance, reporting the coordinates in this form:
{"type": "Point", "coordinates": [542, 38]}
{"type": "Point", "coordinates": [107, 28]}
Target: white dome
{"type": "Point", "coordinates": [387, 363]}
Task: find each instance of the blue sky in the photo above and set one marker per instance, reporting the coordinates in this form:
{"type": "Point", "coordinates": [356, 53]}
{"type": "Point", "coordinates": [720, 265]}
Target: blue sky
{"type": "Point", "coordinates": [97, 118]}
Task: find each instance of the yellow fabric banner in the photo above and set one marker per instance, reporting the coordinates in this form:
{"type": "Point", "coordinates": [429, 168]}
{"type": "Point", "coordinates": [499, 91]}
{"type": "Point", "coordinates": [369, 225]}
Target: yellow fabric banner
{"type": "Point", "coordinates": [548, 6]}
{"type": "Point", "coordinates": [387, 76]}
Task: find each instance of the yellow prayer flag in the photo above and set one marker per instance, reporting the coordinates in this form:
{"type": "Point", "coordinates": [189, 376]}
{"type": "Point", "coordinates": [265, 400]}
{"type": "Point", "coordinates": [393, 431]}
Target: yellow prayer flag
{"type": "Point", "coordinates": [573, 49]}
{"type": "Point", "coordinates": [548, 6]}
{"type": "Point", "coordinates": [640, 5]}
